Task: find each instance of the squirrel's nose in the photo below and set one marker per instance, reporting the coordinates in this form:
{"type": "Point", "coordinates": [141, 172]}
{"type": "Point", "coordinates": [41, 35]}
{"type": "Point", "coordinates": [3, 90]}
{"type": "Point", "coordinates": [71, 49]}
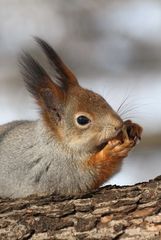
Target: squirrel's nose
{"type": "Point", "coordinates": [118, 125]}
{"type": "Point", "coordinates": [116, 121]}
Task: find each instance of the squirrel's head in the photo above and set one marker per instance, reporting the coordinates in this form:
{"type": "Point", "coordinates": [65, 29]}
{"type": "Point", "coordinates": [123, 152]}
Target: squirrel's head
{"type": "Point", "coordinates": [77, 117]}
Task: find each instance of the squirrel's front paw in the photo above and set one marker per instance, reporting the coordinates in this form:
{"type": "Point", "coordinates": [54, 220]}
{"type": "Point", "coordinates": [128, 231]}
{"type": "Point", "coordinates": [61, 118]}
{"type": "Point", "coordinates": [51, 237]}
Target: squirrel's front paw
{"type": "Point", "coordinates": [133, 130]}
{"type": "Point", "coordinates": [117, 150]}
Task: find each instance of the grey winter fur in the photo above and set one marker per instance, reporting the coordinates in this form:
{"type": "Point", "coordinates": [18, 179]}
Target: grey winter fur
{"type": "Point", "coordinates": [32, 162]}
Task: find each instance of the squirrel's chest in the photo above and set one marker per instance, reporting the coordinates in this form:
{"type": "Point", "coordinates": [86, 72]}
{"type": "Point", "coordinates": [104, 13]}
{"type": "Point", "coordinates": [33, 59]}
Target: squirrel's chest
{"type": "Point", "coordinates": [65, 174]}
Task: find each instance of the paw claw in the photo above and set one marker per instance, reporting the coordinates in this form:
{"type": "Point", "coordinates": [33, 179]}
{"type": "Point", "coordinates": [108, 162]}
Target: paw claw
{"type": "Point", "coordinates": [134, 131]}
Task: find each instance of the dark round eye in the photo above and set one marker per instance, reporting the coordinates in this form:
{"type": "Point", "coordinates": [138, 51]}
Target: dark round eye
{"type": "Point", "coordinates": [83, 120]}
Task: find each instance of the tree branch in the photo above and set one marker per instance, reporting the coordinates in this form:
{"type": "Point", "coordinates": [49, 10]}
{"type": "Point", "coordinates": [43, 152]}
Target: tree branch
{"type": "Point", "coordinates": [112, 212]}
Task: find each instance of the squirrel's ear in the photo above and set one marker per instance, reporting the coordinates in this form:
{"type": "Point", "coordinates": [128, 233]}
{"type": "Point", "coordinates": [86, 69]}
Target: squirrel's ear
{"type": "Point", "coordinates": [49, 95]}
{"type": "Point", "coordinates": [64, 74]}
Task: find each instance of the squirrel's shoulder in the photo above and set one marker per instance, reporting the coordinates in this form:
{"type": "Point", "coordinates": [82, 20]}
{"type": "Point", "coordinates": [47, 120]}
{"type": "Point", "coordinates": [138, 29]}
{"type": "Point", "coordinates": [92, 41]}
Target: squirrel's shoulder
{"type": "Point", "coordinates": [8, 127]}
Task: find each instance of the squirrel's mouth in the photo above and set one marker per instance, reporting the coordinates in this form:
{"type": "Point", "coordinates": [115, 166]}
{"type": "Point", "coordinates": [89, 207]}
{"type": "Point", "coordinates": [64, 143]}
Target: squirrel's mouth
{"type": "Point", "coordinates": [105, 141]}
{"type": "Point", "coordinates": [102, 145]}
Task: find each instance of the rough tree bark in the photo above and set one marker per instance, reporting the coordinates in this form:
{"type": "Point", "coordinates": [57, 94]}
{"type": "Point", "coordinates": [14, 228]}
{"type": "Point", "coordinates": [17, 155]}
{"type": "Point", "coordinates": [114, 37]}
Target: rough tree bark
{"type": "Point", "coordinates": [129, 212]}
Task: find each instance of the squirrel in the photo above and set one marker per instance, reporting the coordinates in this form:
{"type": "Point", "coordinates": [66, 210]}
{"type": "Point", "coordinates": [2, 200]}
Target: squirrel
{"type": "Point", "coordinates": [78, 142]}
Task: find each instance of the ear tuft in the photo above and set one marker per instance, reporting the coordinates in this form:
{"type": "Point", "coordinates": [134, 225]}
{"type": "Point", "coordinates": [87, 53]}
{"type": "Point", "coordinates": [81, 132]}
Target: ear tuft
{"type": "Point", "coordinates": [49, 95]}
{"type": "Point", "coordinates": [65, 75]}
{"type": "Point", "coordinates": [35, 77]}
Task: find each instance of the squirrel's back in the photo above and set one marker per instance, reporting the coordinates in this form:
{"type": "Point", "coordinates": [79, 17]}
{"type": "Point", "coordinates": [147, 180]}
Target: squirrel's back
{"type": "Point", "coordinates": [15, 138]}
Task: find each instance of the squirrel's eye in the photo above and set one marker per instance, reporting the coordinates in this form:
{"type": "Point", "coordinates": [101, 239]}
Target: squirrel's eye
{"type": "Point", "coordinates": [83, 120]}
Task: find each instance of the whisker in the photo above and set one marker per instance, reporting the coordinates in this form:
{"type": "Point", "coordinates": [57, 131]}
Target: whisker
{"type": "Point", "coordinates": [136, 116]}
{"type": "Point", "coordinates": [131, 118]}
{"type": "Point", "coordinates": [129, 110]}
{"type": "Point", "coordinates": [123, 103]}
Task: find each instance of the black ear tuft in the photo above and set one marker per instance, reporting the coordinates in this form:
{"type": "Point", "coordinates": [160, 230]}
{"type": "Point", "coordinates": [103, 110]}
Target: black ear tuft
{"type": "Point", "coordinates": [65, 75]}
{"type": "Point", "coordinates": [35, 76]}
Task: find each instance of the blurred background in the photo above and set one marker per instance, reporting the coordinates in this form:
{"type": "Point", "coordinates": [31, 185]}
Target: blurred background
{"type": "Point", "coordinates": [114, 48]}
